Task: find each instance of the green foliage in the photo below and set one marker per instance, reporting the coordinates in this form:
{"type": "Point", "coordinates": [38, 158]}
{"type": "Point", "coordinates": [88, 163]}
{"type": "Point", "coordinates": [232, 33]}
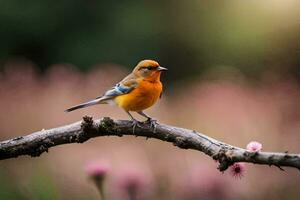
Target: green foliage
{"type": "Point", "coordinates": [40, 187]}
{"type": "Point", "coordinates": [189, 36]}
{"type": "Point", "coordinates": [7, 190]}
{"type": "Point", "coordinates": [43, 187]}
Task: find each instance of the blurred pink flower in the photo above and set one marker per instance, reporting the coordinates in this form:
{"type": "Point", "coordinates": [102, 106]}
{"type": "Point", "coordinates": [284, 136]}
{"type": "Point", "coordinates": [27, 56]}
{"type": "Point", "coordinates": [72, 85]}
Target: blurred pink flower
{"type": "Point", "coordinates": [203, 182]}
{"type": "Point", "coordinates": [132, 180]}
{"type": "Point", "coordinates": [97, 172]}
{"type": "Point", "coordinates": [132, 183]}
{"type": "Point", "coordinates": [254, 146]}
{"type": "Point", "coordinates": [237, 170]}
{"type": "Point", "coordinates": [97, 169]}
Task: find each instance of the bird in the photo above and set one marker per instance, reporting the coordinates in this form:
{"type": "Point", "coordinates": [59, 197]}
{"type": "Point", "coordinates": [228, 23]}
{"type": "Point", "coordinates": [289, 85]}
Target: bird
{"type": "Point", "coordinates": [135, 93]}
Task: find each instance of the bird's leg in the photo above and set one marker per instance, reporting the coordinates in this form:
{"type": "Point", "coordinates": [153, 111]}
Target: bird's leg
{"type": "Point", "coordinates": [150, 120]}
{"type": "Point", "coordinates": [135, 122]}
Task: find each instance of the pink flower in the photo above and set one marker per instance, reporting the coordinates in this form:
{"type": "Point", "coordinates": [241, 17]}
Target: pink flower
{"type": "Point", "coordinates": [132, 183]}
{"type": "Point", "coordinates": [97, 169]}
{"type": "Point", "coordinates": [237, 170]}
{"type": "Point", "coordinates": [254, 146]}
{"type": "Point", "coordinates": [202, 182]}
{"type": "Point", "coordinates": [97, 172]}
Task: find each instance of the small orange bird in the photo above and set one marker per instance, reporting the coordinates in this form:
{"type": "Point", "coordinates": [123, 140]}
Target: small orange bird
{"type": "Point", "coordinates": [136, 92]}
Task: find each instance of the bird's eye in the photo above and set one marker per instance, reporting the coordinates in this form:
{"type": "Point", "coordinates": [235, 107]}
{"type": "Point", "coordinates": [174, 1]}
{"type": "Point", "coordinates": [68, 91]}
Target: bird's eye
{"type": "Point", "coordinates": [146, 68]}
{"type": "Point", "coordinates": [149, 68]}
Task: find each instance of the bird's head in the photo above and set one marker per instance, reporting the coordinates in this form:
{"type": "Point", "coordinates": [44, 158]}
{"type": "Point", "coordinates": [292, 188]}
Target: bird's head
{"type": "Point", "coordinates": [148, 69]}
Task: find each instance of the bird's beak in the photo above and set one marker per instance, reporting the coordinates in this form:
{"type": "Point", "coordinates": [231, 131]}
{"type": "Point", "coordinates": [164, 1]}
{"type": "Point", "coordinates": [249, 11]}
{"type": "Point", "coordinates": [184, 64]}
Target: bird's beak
{"type": "Point", "coordinates": [160, 68]}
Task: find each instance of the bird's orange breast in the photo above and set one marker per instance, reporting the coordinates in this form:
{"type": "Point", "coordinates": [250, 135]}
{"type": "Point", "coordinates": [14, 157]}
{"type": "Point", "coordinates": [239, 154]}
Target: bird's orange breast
{"type": "Point", "coordinates": [142, 97]}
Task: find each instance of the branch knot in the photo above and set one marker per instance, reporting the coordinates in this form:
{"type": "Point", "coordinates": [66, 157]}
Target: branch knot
{"type": "Point", "coordinates": [224, 159]}
{"type": "Point", "coordinates": [181, 142]}
{"type": "Point", "coordinates": [87, 127]}
{"type": "Point", "coordinates": [108, 126]}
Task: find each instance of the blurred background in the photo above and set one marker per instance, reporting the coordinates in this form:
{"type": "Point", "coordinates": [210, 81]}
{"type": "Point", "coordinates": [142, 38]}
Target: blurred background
{"type": "Point", "coordinates": [234, 72]}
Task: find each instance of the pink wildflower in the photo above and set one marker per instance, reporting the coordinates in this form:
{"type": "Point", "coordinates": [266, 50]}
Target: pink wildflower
{"type": "Point", "coordinates": [254, 146]}
{"type": "Point", "coordinates": [202, 182]}
{"type": "Point", "coordinates": [97, 169]}
{"type": "Point", "coordinates": [132, 183]}
{"type": "Point", "coordinates": [97, 172]}
{"type": "Point", "coordinates": [237, 170]}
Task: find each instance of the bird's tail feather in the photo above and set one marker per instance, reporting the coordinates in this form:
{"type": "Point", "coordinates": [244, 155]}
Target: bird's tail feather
{"type": "Point", "coordinates": [85, 104]}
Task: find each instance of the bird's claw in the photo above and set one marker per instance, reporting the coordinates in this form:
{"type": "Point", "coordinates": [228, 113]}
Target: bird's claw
{"type": "Point", "coordinates": [153, 123]}
{"type": "Point", "coordinates": [135, 124]}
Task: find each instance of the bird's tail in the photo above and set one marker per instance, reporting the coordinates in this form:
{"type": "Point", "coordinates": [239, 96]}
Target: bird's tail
{"type": "Point", "coordinates": [85, 104]}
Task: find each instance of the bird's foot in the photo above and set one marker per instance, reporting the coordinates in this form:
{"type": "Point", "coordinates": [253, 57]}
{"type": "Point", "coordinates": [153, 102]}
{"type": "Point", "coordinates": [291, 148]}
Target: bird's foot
{"type": "Point", "coordinates": [153, 123]}
{"type": "Point", "coordinates": [135, 123]}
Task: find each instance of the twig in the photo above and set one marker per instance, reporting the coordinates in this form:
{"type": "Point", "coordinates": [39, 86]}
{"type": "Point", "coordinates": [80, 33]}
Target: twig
{"type": "Point", "coordinates": [37, 143]}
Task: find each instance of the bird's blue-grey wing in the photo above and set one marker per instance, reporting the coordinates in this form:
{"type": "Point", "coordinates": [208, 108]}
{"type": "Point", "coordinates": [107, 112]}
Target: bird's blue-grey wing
{"type": "Point", "coordinates": [124, 87]}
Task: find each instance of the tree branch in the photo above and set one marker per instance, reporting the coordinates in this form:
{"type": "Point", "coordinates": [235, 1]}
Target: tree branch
{"type": "Point", "coordinates": [37, 143]}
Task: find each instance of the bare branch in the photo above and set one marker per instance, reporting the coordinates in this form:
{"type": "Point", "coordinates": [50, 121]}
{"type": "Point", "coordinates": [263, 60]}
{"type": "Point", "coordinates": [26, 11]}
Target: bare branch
{"type": "Point", "coordinates": [37, 143]}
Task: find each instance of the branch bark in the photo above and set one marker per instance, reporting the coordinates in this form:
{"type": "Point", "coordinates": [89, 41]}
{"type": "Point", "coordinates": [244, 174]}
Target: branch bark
{"type": "Point", "coordinates": [37, 143]}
